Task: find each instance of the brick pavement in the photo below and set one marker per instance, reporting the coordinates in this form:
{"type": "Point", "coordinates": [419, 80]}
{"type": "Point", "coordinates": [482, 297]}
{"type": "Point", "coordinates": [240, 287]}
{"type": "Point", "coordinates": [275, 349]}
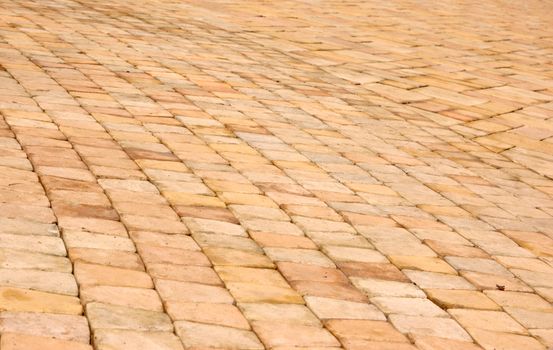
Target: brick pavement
{"type": "Point", "coordinates": [291, 175]}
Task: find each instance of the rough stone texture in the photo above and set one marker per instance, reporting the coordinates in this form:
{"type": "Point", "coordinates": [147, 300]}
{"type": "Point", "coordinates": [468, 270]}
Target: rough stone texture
{"type": "Point", "coordinates": [287, 175]}
{"type": "Point", "coordinates": [17, 341]}
{"type": "Point", "coordinates": [64, 327]}
{"type": "Point", "coordinates": [197, 334]}
{"type": "Point", "coordinates": [119, 339]}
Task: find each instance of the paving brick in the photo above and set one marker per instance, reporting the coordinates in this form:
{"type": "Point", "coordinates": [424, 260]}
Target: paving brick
{"type": "Point", "coordinates": [328, 308]}
{"type": "Point", "coordinates": [104, 316]}
{"type": "Point", "coordinates": [365, 330]}
{"type": "Point", "coordinates": [210, 313]}
{"type": "Point", "coordinates": [329, 290]}
{"type": "Point", "coordinates": [259, 293]}
{"type": "Point", "coordinates": [232, 257]}
{"type": "Point", "coordinates": [300, 272]}
{"type": "Point", "coordinates": [191, 292]}
{"type": "Point", "coordinates": [433, 326]}
{"type": "Point", "coordinates": [428, 342]}
{"type": "Point", "coordinates": [368, 270]}
{"type": "Point", "coordinates": [117, 339]}
{"type": "Point", "coordinates": [139, 298]}
{"type": "Point", "coordinates": [122, 259]}
{"type": "Point", "coordinates": [422, 263]}
{"type": "Point", "coordinates": [432, 280]}
{"type": "Point", "coordinates": [64, 327]}
{"type": "Point", "coordinates": [168, 255]}
{"type": "Point", "coordinates": [17, 259]}
{"type": "Point", "coordinates": [197, 335]}
{"type": "Point", "coordinates": [46, 281]}
{"type": "Point", "coordinates": [488, 320]}
{"type": "Point", "coordinates": [199, 274]}
{"type": "Point", "coordinates": [408, 306]}
{"type": "Point", "coordinates": [16, 299]}
{"type": "Point", "coordinates": [301, 256]}
{"type": "Point", "coordinates": [517, 299]}
{"type": "Point", "coordinates": [293, 335]}
{"type": "Point", "coordinates": [377, 287]}
{"type": "Point", "coordinates": [451, 298]}
{"type": "Point", "coordinates": [531, 318]}
{"type": "Point", "coordinates": [492, 340]}
{"type": "Point", "coordinates": [92, 274]}
{"type": "Point", "coordinates": [14, 341]}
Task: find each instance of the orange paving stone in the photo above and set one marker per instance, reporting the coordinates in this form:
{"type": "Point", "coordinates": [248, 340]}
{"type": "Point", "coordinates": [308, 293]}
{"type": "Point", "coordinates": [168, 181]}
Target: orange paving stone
{"type": "Point", "coordinates": [276, 175]}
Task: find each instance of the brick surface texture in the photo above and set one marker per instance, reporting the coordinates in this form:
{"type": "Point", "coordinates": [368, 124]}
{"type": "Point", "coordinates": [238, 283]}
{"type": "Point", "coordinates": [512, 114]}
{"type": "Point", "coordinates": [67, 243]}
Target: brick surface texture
{"type": "Point", "coordinates": [284, 175]}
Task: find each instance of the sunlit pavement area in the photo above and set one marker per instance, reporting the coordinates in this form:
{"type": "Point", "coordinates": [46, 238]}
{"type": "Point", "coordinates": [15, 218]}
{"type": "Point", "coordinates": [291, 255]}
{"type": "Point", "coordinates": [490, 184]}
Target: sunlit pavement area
{"type": "Point", "coordinates": [285, 175]}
